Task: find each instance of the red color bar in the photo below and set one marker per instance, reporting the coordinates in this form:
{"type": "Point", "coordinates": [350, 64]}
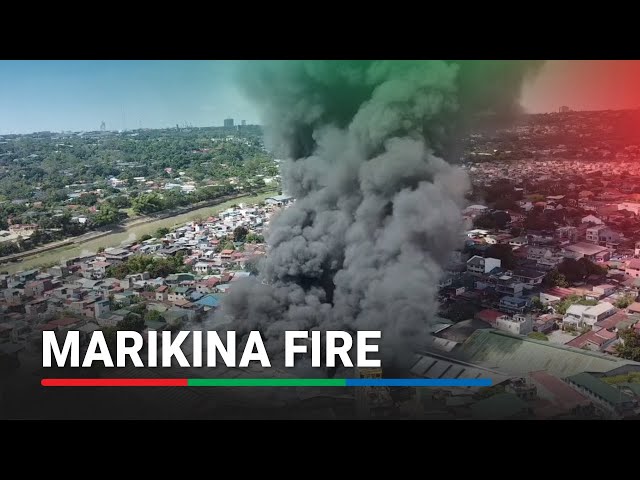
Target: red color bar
{"type": "Point", "coordinates": [113, 382]}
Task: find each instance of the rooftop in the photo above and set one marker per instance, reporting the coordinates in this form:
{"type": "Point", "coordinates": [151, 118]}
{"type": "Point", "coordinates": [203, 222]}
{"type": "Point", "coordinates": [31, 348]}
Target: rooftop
{"type": "Point", "coordinates": [599, 309]}
{"type": "Point", "coordinates": [600, 388]}
{"type": "Point", "coordinates": [586, 248]}
{"type": "Point", "coordinates": [527, 273]}
{"type": "Point", "coordinates": [562, 393]}
{"type": "Point", "coordinates": [613, 320]}
{"type": "Point", "coordinates": [598, 337]}
{"type": "Point", "coordinates": [520, 355]}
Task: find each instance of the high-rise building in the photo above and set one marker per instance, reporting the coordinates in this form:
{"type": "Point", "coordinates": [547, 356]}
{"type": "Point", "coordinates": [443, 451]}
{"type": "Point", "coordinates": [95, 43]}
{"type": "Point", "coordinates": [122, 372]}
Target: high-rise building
{"type": "Point", "coordinates": [244, 122]}
{"type": "Point", "coordinates": [564, 109]}
{"type": "Point", "coordinates": [228, 122]}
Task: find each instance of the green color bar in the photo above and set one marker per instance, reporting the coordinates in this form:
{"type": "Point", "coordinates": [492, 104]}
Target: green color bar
{"type": "Point", "coordinates": [266, 382]}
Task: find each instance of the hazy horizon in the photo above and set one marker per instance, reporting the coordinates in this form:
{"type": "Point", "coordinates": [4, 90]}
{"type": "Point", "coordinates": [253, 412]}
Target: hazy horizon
{"type": "Point", "coordinates": [79, 95]}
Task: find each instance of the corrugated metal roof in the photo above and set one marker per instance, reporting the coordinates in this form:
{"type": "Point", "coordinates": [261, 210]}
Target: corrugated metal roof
{"type": "Point", "coordinates": [431, 365]}
{"type": "Point", "coordinates": [520, 355]}
{"type": "Point", "coordinates": [595, 385]}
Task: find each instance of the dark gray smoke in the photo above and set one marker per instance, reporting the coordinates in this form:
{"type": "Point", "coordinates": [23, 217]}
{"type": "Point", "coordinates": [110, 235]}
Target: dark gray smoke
{"type": "Point", "coordinates": [377, 211]}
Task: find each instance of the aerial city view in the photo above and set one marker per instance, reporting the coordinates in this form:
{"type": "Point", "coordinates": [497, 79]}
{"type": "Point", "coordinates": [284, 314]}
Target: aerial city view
{"type": "Point", "coordinates": [487, 228]}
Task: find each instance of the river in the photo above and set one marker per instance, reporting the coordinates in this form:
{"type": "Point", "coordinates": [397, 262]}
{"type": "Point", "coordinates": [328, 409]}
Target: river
{"type": "Point", "coordinates": [132, 233]}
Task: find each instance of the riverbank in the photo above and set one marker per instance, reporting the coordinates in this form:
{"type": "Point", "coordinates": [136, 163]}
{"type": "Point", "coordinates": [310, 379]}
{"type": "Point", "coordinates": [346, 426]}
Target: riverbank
{"type": "Point", "coordinates": [128, 232]}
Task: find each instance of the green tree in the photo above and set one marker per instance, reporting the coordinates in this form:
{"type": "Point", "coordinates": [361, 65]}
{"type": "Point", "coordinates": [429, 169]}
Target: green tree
{"type": "Point", "coordinates": [254, 238]}
{"type": "Point", "coordinates": [147, 203]}
{"type": "Point", "coordinates": [240, 234]}
{"type": "Point", "coordinates": [153, 316]}
{"type": "Point", "coordinates": [537, 305]}
{"type": "Point", "coordinates": [562, 306]}
{"type": "Point", "coordinates": [579, 270]}
{"type": "Point", "coordinates": [629, 346]}
{"type": "Point", "coordinates": [625, 300]}
{"type": "Point", "coordinates": [555, 279]}
{"type": "Point", "coordinates": [161, 232]}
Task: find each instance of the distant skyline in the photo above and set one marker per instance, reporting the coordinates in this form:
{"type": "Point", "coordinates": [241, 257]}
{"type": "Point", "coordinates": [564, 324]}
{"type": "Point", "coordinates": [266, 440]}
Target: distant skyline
{"type": "Point", "coordinates": [129, 94]}
{"type": "Point", "coordinates": [80, 95]}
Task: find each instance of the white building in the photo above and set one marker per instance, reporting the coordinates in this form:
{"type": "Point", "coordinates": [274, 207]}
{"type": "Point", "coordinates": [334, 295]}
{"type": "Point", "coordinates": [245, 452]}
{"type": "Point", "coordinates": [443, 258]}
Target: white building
{"type": "Point", "coordinates": [475, 210]}
{"type": "Point", "coordinates": [478, 265]}
{"type": "Point", "coordinates": [592, 219]}
{"type": "Point", "coordinates": [632, 207]}
{"type": "Point", "coordinates": [573, 316]}
{"type": "Point", "coordinates": [518, 324]}
{"type": "Point", "coordinates": [597, 312]}
{"type": "Point", "coordinates": [593, 233]}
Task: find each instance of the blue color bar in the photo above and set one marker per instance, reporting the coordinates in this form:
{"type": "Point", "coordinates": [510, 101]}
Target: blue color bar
{"type": "Point", "coordinates": [419, 382]}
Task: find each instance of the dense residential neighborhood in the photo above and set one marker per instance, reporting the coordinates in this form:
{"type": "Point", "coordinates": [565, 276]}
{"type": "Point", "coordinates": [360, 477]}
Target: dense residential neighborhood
{"type": "Point", "coordinates": [187, 271]}
{"type": "Point", "coordinates": [542, 294]}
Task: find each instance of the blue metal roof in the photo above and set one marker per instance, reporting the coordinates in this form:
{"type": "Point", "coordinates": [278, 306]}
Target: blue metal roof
{"type": "Point", "coordinates": [209, 301]}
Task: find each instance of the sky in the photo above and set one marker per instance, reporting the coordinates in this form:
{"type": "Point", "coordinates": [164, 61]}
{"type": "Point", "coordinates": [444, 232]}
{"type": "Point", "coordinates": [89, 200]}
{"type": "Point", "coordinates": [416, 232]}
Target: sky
{"type": "Point", "coordinates": [80, 95]}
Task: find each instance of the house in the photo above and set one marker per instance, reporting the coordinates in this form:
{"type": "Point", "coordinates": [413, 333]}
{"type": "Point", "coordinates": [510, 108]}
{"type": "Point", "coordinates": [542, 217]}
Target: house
{"type": "Point", "coordinates": [202, 267]}
{"type": "Point", "coordinates": [489, 316]}
{"type": "Point", "coordinates": [603, 290]}
{"type": "Point", "coordinates": [592, 219]}
{"type": "Point", "coordinates": [607, 235]}
{"type": "Point", "coordinates": [630, 206]}
{"type": "Point", "coordinates": [226, 254]}
{"type": "Point", "coordinates": [478, 265]}
{"type": "Point", "coordinates": [279, 200]}
{"type": "Point", "coordinates": [633, 268]}
{"type": "Point", "coordinates": [573, 317]}
{"type": "Point", "coordinates": [101, 267]}
{"type": "Point", "coordinates": [116, 254]}
{"type": "Point", "coordinates": [179, 294]}
{"type": "Point", "coordinates": [616, 322]}
{"type": "Point", "coordinates": [596, 340]}
{"type": "Point", "coordinates": [208, 302]}
{"type": "Point", "coordinates": [597, 313]}
{"type": "Point", "coordinates": [518, 241]}
{"type": "Point", "coordinates": [593, 233]}
{"type": "Point", "coordinates": [594, 253]}
{"type": "Point", "coordinates": [566, 233]}
{"type": "Point", "coordinates": [161, 293]}
{"type": "Point", "coordinates": [546, 323]}
{"type": "Point", "coordinates": [528, 276]}
{"type": "Point", "coordinates": [509, 286]}
{"type": "Point", "coordinates": [549, 261]}
{"type": "Point", "coordinates": [535, 252]}
{"type": "Point", "coordinates": [518, 324]}
{"type": "Point", "coordinates": [36, 288]}
{"type": "Point", "coordinates": [36, 307]}
{"type": "Point", "coordinates": [513, 304]}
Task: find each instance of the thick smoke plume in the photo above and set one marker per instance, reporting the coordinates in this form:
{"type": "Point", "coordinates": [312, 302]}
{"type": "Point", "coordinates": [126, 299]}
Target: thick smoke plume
{"type": "Point", "coordinates": [378, 210]}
